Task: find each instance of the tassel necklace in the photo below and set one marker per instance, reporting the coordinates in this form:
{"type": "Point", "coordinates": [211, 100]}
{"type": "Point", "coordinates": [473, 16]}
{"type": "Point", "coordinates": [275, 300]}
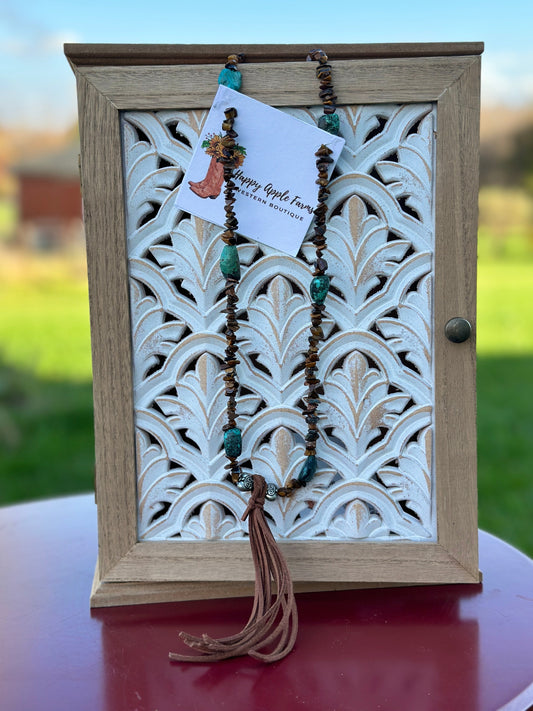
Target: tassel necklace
{"type": "Point", "coordinates": [273, 625]}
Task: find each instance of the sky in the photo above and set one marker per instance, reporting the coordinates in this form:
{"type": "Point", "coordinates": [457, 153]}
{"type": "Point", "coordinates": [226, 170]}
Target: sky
{"type": "Point", "coordinates": [37, 87]}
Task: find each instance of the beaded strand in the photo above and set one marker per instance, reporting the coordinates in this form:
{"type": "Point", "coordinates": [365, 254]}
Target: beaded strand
{"type": "Point", "coordinates": [330, 120]}
{"type": "Point", "coordinates": [318, 290]}
{"type": "Point", "coordinates": [231, 270]}
{"type": "Point", "coordinates": [230, 76]}
{"type": "Point", "coordinates": [319, 287]}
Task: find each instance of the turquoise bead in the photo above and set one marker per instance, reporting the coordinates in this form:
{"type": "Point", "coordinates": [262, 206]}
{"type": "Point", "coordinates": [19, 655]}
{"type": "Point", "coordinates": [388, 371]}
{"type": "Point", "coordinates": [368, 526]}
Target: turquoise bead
{"type": "Point", "coordinates": [319, 288]}
{"type": "Point", "coordinates": [330, 123]}
{"type": "Point", "coordinates": [231, 78]}
{"type": "Point", "coordinates": [229, 262]}
{"type": "Point", "coordinates": [233, 442]}
{"type": "Point", "coordinates": [308, 470]}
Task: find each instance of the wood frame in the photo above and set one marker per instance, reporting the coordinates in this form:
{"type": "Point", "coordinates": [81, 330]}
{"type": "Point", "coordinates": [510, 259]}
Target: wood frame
{"type": "Point", "coordinates": [111, 78]}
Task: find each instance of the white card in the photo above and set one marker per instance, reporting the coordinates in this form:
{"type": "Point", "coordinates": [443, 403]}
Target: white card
{"type": "Point", "coordinates": [276, 191]}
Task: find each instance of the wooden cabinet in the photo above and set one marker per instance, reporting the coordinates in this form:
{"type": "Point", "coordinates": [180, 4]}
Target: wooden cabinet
{"type": "Point", "coordinates": [394, 500]}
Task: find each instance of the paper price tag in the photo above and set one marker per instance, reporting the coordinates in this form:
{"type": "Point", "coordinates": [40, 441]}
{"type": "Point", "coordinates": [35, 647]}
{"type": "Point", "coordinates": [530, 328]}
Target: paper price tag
{"type": "Point", "coordinates": [276, 191]}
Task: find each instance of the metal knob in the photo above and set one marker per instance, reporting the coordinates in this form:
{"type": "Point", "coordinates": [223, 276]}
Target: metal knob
{"type": "Point", "coordinates": [458, 330]}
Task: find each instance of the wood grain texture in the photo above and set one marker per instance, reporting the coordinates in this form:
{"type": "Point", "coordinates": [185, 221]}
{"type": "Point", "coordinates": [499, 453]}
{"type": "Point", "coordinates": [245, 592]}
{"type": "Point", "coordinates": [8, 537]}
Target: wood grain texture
{"type": "Point", "coordinates": [278, 84]}
{"type": "Point", "coordinates": [147, 54]}
{"type": "Point", "coordinates": [455, 295]}
{"type": "Point", "coordinates": [135, 593]}
{"type": "Point", "coordinates": [308, 561]}
{"type": "Point", "coordinates": [106, 594]}
{"type": "Point", "coordinates": [101, 170]}
{"type": "Point", "coordinates": [453, 83]}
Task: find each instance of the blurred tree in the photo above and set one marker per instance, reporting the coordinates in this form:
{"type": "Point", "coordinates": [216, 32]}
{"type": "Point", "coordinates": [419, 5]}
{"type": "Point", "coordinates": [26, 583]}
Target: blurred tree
{"type": "Point", "coordinates": [506, 159]}
{"type": "Point", "coordinates": [519, 163]}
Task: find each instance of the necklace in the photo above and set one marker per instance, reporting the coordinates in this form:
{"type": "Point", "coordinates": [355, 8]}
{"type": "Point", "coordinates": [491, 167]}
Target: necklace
{"type": "Point", "coordinates": [270, 623]}
{"type": "Point", "coordinates": [230, 268]}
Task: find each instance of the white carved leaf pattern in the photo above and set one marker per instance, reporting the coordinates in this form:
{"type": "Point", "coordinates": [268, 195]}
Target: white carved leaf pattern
{"type": "Point", "coordinates": [375, 478]}
{"type": "Point", "coordinates": [410, 333]}
{"type": "Point", "coordinates": [277, 330]}
{"type": "Point", "coordinates": [410, 481]}
{"type": "Point", "coordinates": [211, 523]}
{"type": "Point", "coordinates": [356, 522]}
{"type": "Point", "coordinates": [358, 403]}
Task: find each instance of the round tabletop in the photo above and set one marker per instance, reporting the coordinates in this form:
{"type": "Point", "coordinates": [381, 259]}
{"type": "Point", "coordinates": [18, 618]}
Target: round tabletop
{"type": "Point", "coordinates": [433, 648]}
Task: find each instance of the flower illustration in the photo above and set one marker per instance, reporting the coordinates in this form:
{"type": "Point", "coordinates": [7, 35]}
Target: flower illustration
{"type": "Point", "coordinates": [211, 185]}
{"type": "Point", "coordinates": [213, 146]}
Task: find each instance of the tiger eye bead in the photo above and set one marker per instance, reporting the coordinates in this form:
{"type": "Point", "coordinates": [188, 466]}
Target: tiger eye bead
{"type": "Point", "coordinates": [321, 265]}
{"type": "Point", "coordinates": [235, 473]}
{"type": "Point", "coordinates": [228, 142]}
{"type": "Point", "coordinates": [317, 332]}
{"type": "Point", "coordinates": [312, 401]}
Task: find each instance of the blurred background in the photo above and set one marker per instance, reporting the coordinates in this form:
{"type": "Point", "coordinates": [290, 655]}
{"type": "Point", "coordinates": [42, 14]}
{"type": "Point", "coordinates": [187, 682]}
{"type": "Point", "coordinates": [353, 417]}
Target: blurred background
{"type": "Point", "coordinates": [46, 438]}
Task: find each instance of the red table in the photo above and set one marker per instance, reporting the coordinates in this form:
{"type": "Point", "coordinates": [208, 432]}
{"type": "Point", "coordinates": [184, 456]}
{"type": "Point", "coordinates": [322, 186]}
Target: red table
{"type": "Point", "coordinates": [449, 648]}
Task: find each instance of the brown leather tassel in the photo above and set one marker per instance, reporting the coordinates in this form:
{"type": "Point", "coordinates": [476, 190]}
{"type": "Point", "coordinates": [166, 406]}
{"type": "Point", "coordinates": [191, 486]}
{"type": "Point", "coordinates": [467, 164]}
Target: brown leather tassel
{"type": "Point", "coordinates": [272, 624]}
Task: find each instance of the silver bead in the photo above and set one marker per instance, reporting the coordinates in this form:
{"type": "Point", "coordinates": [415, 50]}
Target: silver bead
{"type": "Point", "coordinates": [271, 492]}
{"type": "Point", "coordinates": [245, 482]}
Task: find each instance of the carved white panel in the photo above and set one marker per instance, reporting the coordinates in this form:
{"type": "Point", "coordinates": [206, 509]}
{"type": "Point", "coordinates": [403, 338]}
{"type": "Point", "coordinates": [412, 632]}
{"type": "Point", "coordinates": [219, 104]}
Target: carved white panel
{"type": "Point", "coordinates": [375, 479]}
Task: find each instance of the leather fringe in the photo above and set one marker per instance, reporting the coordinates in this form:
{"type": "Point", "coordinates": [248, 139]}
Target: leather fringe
{"type": "Point", "coordinates": [270, 633]}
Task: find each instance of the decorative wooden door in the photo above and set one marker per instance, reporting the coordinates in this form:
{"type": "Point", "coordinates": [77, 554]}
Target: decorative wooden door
{"type": "Point", "coordinates": [394, 498]}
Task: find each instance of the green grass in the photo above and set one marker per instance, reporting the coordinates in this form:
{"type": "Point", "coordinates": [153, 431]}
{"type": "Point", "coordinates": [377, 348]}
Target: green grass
{"type": "Point", "coordinates": [46, 414]}
{"type": "Point", "coordinates": [505, 447]}
{"type": "Point", "coordinates": [505, 399]}
{"type": "Point", "coordinates": [47, 436]}
{"type": "Point", "coordinates": [44, 324]}
{"type": "Point", "coordinates": [505, 308]}
{"type": "Point", "coordinates": [45, 329]}
{"type": "Point", "coordinates": [46, 432]}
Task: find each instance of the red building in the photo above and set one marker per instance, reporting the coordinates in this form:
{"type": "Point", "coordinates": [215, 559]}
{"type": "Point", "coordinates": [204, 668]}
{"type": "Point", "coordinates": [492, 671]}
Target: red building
{"type": "Point", "coordinates": [50, 208]}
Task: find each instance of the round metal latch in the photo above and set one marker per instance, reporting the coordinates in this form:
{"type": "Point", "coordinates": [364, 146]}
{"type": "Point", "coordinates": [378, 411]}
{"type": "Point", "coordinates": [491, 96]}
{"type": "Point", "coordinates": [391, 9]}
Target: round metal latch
{"type": "Point", "coordinates": [458, 330]}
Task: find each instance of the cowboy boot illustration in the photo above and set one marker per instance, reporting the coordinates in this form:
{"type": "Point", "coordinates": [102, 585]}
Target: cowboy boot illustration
{"type": "Point", "coordinates": [211, 185]}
